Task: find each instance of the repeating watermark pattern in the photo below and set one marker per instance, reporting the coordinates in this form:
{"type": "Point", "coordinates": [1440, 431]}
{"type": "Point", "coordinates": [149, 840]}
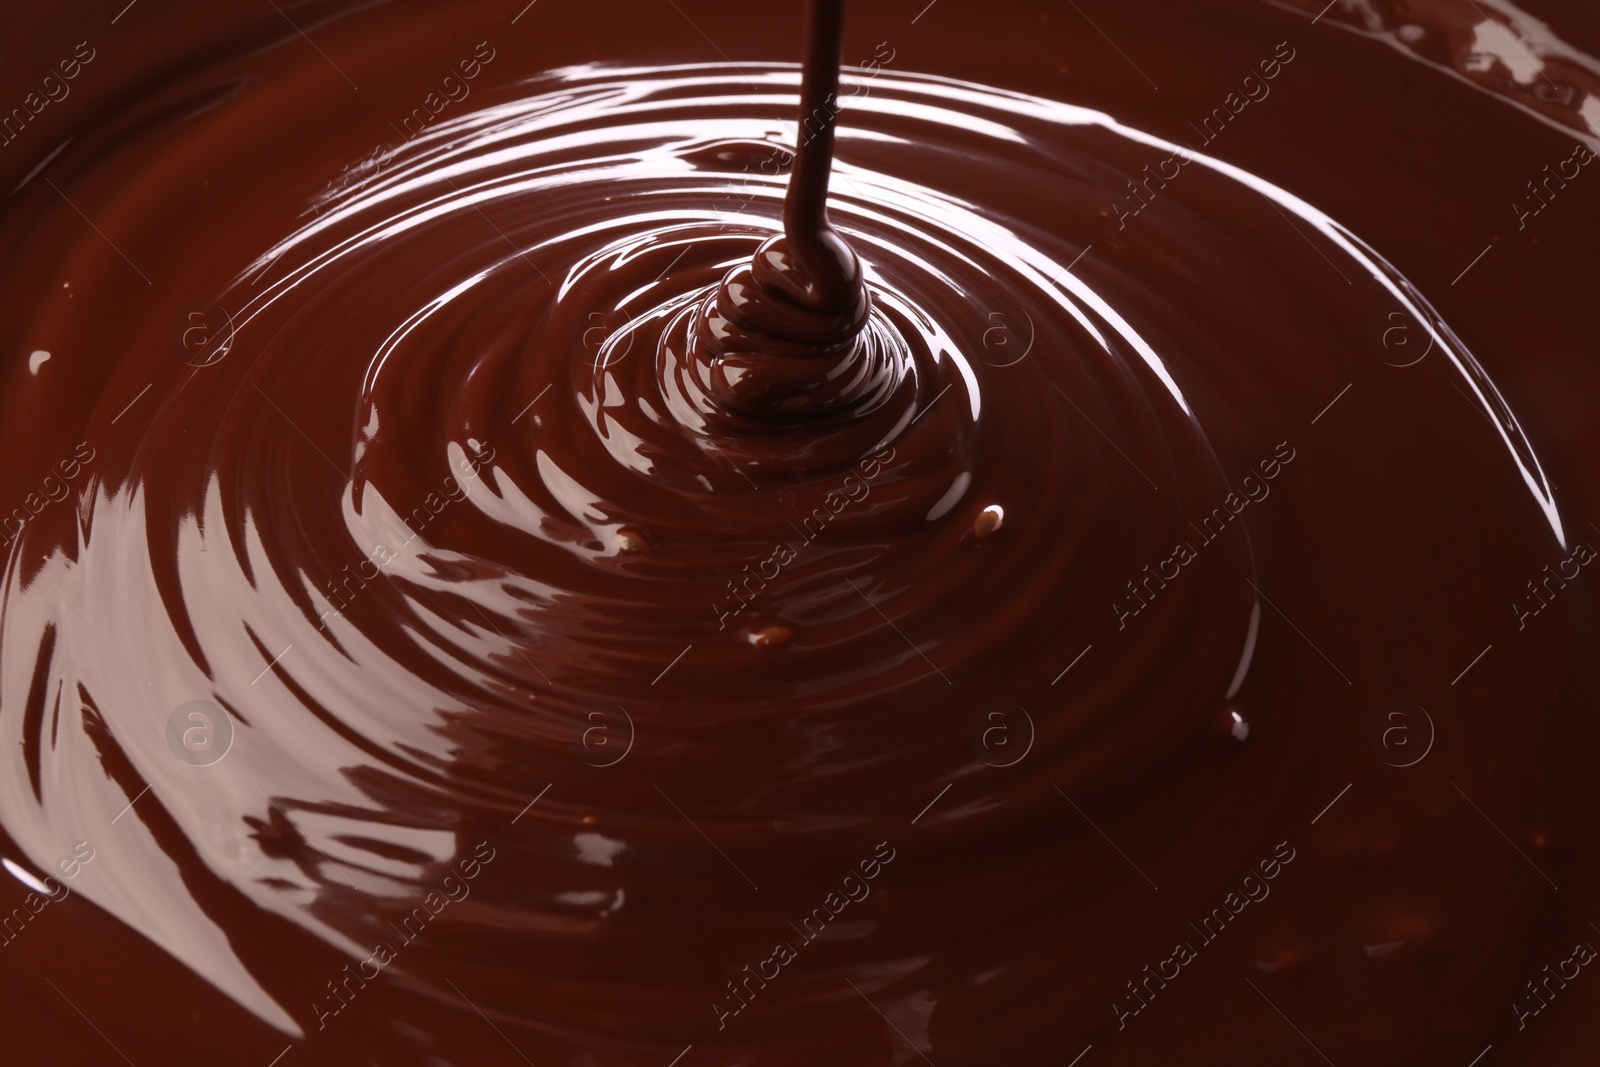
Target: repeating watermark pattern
{"type": "Point", "coordinates": [1002, 733]}
{"type": "Point", "coordinates": [873, 65]}
{"type": "Point", "coordinates": [1400, 733]}
{"type": "Point", "coordinates": [453, 889]}
{"type": "Point", "coordinates": [54, 88]}
{"type": "Point", "coordinates": [451, 491]}
{"type": "Point", "coordinates": [818, 120]}
{"type": "Point", "coordinates": [852, 889]}
{"type": "Point", "coordinates": [1007, 345]}
{"type": "Point", "coordinates": [203, 337]}
{"type": "Point", "coordinates": [1544, 589]}
{"type": "Point", "coordinates": [1542, 190]}
{"type": "Point", "coordinates": [354, 176]}
{"type": "Point", "coordinates": [452, 90]}
{"type": "Point", "coordinates": [342, 590]}
{"type": "Point", "coordinates": [1144, 588]}
{"type": "Point", "coordinates": [200, 733]}
{"type": "Point", "coordinates": [1252, 89]}
{"type": "Point", "coordinates": [42, 892]}
{"type": "Point", "coordinates": [753, 579]}
{"type": "Point", "coordinates": [1551, 981]}
{"type": "Point", "coordinates": [607, 323]}
{"type": "Point", "coordinates": [55, 487]}
{"type": "Point", "coordinates": [1399, 338]}
{"type": "Point", "coordinates": [774, 162]}
{"type": "Point", "coordinates": [1253, 889]}
{"type": "Point", "coordinates": [597, 743]}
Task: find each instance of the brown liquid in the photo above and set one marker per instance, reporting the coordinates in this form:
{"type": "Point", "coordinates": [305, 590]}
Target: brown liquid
{"type": "Point", "coordinates": [776, 342]}
{"type": "Point", "coordinates": [668, 662]}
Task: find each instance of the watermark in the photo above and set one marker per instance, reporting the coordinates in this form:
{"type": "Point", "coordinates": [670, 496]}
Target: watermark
{"type": "Point", "coordinates": [1400, 733]}
{"type": "Point", "coordinates": [55, 487]}
{"type": "Point", "coordinates": [597, 744]}
{"type": "Point", "coordinates": [1007, 346]}
{"type": "Point", "coordinates": [54, 88]}
{"type": "Point", "coordinates": [1253, 889]}
{"type": "Point", "coordinates": [603, 328]}
{"type": "Point", "coordinates": [781, 156]}
{"type": "Point", "coordinates": [452, 90]}
{"type": "Point", "coordinates": [753, 579]}
{"type": "Point", "coordinates": [1542, 191]}
{"type": "Point", "coordinates": [820, 117]}
{"type": "Point", "coordinates": [453, 889]}
{"type": "Point", "coordinates": [353, 176]}
{"type": "Point", "coordinates": [1001, 733]}
{"type": "Point", "coordinates": [451, 491]}
{"type": "Point", "coordinates": [1252, 89]}
{"type": "Point", "coordinates": [853, 888]}
{"type": "Point", "coordinates": [42, 891]}
{"type": "Point", "coordinates": [342, 590]}
{"type": "Point", "coordinates": [873, 65]}
{"type": "Point", "coordinates": [1399, 338]}
{"type": "Point", "coordinates": [1543, 590]}
{"type": "Point", "coordinates": [203, 337]}
{"type": "Point", "coordinates": [200, 733]}
{"type": "Point", "coordinates": [1144, 589]}
{"type": "Point", "coordinates": [1554, 978]}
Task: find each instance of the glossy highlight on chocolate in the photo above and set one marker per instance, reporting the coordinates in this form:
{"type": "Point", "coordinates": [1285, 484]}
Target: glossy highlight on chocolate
{"type": "Point", "coordinates": [573, 583]}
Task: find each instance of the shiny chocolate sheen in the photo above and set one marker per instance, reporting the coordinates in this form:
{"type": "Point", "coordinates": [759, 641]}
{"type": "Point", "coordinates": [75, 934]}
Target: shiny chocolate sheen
{"type": "Point", "coordinates": [582, 678]}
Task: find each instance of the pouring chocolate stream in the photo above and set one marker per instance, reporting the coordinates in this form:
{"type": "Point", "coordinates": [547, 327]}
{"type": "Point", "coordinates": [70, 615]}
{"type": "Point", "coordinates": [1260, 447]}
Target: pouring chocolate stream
{"type": "Point", "coordinates": [427, 514]}
{"type": "Point", "coordinates": [778, 337]}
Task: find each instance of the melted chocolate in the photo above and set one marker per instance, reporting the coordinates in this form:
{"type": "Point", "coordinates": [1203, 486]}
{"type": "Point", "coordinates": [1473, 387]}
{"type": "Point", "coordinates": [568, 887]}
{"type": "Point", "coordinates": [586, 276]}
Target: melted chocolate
{"type": "Point", "coordinates": [496, 582]}
{"type": "Point", "coordinates": [777, 340]}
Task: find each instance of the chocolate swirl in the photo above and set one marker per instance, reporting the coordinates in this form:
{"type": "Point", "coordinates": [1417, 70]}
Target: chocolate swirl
{"type": "Point", "coordinates": [776, 343]}
{"type": "Point", "coordinates": [471, 468]}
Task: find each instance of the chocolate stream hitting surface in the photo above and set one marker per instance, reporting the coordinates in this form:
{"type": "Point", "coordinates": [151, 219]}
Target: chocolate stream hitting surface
{"type": "Point", "coordinates": [567, 588]}
{"type": "Point", "coordinates": [777, 341]}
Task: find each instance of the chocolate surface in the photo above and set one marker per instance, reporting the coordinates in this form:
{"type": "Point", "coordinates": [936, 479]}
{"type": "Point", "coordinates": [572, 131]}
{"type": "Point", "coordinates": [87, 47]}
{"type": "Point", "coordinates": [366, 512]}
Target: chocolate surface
{"type": "Point", "coordinates": [432, 635]}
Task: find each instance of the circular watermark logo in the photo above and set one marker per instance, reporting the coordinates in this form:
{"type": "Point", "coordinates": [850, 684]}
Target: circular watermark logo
{"type": "Point", "coordinates": [607, 737]}
{"type": "Point", "coordinates": [1400, 733]}
{"type": "Point", "coordinates": [1008, 339]}
{"type": "Point", "coordinates": [200, 733]}
{"type": "Point", "coordinates": [1000, 733]}
{"type": "Point", "coordinates": [1399, 338]}
{"type": "Point", "coordinates": [608, 337]}
{"type": "Point", "coordinates": [204, 336]}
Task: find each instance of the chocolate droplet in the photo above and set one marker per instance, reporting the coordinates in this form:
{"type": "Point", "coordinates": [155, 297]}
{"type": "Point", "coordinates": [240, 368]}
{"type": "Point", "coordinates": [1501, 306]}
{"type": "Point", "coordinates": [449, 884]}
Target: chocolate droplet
{"type": "Point", "coordinates": [988, 522]}
{"type": "Point", "coordinates": [1231, 723]}
{"type": "Point", "coordinates": [631, 542]}
{"type": "Point", "coordinates": [771, 636]}
{"type": "Point", "coordinates": [1280, 960]}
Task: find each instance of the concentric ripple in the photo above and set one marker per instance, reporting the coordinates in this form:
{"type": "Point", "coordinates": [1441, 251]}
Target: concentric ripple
{"type": "Point", "coordinates": [451, 492]}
